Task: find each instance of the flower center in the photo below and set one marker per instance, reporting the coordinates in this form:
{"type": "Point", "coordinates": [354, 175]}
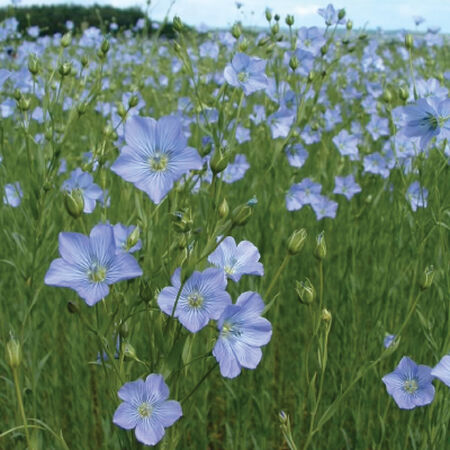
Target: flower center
{"type": "Point", "coordinates": [144, 410]}
{"type": "Point", "coordinates": [229, 269]}
{"type": "Point", "coordinates": [195, 299]}
{"type": "Point", "coordinates": [242, 77]}
{"type": "Point", "coordinates": [158, 162]}
{"type": "Point", "coordinates": [229, 328]}
{"type": "Point", "coordinates": [410, 386]}
{"type": "Point", "coordinates": [96, 273]}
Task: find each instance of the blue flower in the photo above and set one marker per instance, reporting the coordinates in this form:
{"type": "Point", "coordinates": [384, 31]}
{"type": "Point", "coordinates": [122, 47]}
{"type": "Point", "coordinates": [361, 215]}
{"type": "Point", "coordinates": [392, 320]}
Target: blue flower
{"type": "Point", "coordinates": [346, 186]}
{"type": "Point", "coordinates": [145, 407]}
{"type": "Point", "coordinates": [442, 370]}
{"type": "Point", "coordinates": [88, 265]}
{"type": "Point", "coordinates": [417, 196]}
{"type": "Point", "coordinates": [410, 384]}
{"type": "Point", "coordinates": [324, 207]}
{"type": "Point", "coordinates": [83, 182]}
{"type": "Point", "coordinates": [296, 155]}
{"type": "Point", "coordinates": [4, 75]}
{"type": "Point", "coordinates": [237, 260]}
{"type": "Point", "coordinates": [203, 297]}
{"type": "Point", "coordinates": [330, 15]}
{"type": "Point", "coordinates": [347, 144]}
{"type": "Point", "coordinates": [426, 119]}
{"type": "Point", "coordinates": [388, 340]}
{"type": "Point", "coordinates": [242, 332]}
{"type": "Point", "coordinates": [121, 235]}
{"type": "Point", "coordinates": [13, 194]}
{"type": "Point", "coordinates": [246, 72]}
{"type": "Point", "coordinates": [156, 155]}
{"type": "Point", "coordinates": [301, 194]}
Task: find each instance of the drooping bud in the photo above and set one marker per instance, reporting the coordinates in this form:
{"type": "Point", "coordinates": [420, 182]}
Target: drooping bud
{"type": "Point", "coordinates": [224, 209]}
{"type": "Point", "coordinates": [74, 203]}
{"type": "Point", "coordinates": [13, 353]}
{"type": "Point", "coordinates": [263, 41]}
{"type": "Point", "coordinates": [321, 249]}
{"type": "Point", "coordinates": [297, 241]}
{"type": "Point", "coordinates": [305, 291]}
{"type": "Point", "coordinates": [276, 17]}
{"type": "Point", "coordinates": [409, 42]}
{"type": "Point", "coordinates": [427, 278]}
{"type": "Point", "coordinates": [241, 215]}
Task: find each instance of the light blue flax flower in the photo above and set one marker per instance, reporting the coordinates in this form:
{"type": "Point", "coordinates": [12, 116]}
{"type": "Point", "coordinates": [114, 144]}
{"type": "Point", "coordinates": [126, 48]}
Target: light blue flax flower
{"type": "Point", "coordinates": [442, 370]}
{"type": "Point", "coordinates": [242, 334]}
{"type": "Point", "coordinates": [410, 384]}
{"type": "Point", "coordinates": [155, 155]}
{"type": "Point", "coordinates": [88, 265]}
{"type": "Point", "coordinates": [145, 407]}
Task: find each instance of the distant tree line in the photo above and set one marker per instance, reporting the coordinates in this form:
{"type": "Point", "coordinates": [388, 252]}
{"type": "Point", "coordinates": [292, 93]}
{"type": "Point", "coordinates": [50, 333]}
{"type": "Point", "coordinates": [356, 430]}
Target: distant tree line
{"type": "Point", "coordinates": [52, 19]}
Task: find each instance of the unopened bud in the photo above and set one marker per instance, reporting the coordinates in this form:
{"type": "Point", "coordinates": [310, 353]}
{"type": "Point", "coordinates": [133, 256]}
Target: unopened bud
{"type": "Point", "coordinates": [123, 330]}
{"type": "Point", "coordinates": [24, 104]}
{"type": "Point", "coordinates": [74, 203]}
{"type": "Point", "coordinates": [311, 76]}
{"type": "Point", "coordinates": [297, 241]}
{"type": "Point", "coordinates": [321, 249]}
{"type": "Point", "coordinates": [82, 108]}
{"type": "Point", "coordinates": [121, 111]}
{"type": "Point", "coordinates": [105, 46]}
{"type": "Point", "coordinates": [283, 417]}
{"type": "Point", "coordinates": [243, 45]}
{"type": "Point", "coordinates": [289, 20]}
{"type": "Point", "coordinates": [66, 40]}
{"type": "Point", "coordinates": [133, 238]}
{"type": "Point", "coordinates": [241, 215]}
{"type": "Point", "coordinates": [409, 42]}
{"type": "Point", "coordinates": [349, 25]}
{"type": "Point", "coordinates": [84, 61]}
{"type": "Point", "coordinates": [305, 291]}
{"type": "Point", "coordinates": [133, 101]}
{"type": "Point", "coordinates": [218, 162]}
{"type": "Point", "coordinates": [403, 94]}
{"type": "Point", "coordinates": [64, 69]}
{"type": "Point", "coordinates": [268, 14]}
{"type": "Point", "coordinates": [341, 14]}
{"type": "Point", "coordinates": [17, 94]}
{"type": "Point", "coordinates": [33, 65]}
{"type": "Point", "coordinates": [224, 209]}
{"type": "Point", "coordinates": [387, 96]}
{"type": "Point", "coordinates": [294, 63]}
{"type": "Point", "coordinates": [323, 50]}
{"type": "Point", "coordinates": [72, 308]}
{"type": "Point", "coordinates": [128, 351]}
{"type": "Point", "coordinates": [326, 315]}
{"type": "Point", "coordinates": [177, 24]}
{"type": "Point", "coordinates": [263, 41]}
{"type": "Point", "coordinates": [427, 278]}
{"type": "Point", "coordinates": [236, 31]}
{"type": "Point", "coordinates": [275, 28]}
{"type": "Point", "coordinates": [276, 17]}
{"type": "Point", "coordinates": [13, 353]}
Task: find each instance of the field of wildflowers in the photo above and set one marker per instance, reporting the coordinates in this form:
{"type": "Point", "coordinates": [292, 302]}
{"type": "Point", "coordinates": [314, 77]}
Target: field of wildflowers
{"type": "Point", "coordinates": [229, 240]}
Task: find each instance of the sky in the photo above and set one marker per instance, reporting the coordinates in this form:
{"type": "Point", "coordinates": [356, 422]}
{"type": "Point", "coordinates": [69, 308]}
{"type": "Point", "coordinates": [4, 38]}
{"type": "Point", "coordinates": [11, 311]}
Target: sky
{"type": "Point", "coordinates": [387, 14]}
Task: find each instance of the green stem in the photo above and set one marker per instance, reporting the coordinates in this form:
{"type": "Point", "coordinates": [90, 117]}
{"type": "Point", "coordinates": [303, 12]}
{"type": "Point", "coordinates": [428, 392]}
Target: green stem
{"type": "Point", "coordinates": [277, 275]}
{"type": "Point", "coordinates": [21, 409]}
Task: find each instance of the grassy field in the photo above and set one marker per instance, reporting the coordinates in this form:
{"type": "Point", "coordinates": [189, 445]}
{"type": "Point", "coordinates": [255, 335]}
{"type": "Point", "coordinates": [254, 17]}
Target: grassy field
{"type": "Point", "coordinates": [380, 267]}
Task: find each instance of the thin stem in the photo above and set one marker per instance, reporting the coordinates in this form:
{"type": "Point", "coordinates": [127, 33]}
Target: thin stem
{"type": "Point", "coordinates": [21, 409]}
{"type": "Point", "coordinates": [277, 275]}
{"type": "Point", "coordinates": [200, 382]}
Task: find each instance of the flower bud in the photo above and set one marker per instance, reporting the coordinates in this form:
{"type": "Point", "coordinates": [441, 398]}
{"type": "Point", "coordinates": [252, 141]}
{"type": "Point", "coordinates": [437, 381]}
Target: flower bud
{"type": "Point", "coordinates": [177, 24]}
{"type": "Point", "coordinates": [17, 94]}
{"type": "Point", "coordinates": [133, 238]}
{"type": "Point", "coordinates": [236, 31]}
{"type": "Point", "coordinates": [311, 76]}
{"type": "Point", "coordinates": [427, 278]}
{"type": "Point", "coordinates": [105, 46]}
{"type": "Point", "coordinates": [283, 417]}
{"type": "Point", "coordinates": [324, 49]}
{"type": "Point", "coordinates": [294, 63]}
{"type": "Point", "coordinates": [218, 162]}
{"type": "Point", "coordinates": [268, 14]}
{"type": "Point", "coordinates": [74, 203]}
{"type": "Point", "coordinates": [403, 94]}
{"type": "Point", "coordinates": [297, 241]}
{"type": "Point", "coordinates": [241, 215]}
{"type": "Point", "coordinates": [13, 353]}
{"type": "Point", "coordinates": [321, 249]}
{"type": "Point", "coordinates": [121, 111]}
{"type": "Point", "coordinates": [349, 25]}
{"type": "Point", "coordinates": [276, 17]}
{"type": "Point", "coordinates": [33, 65]}
{"type": "Point", "coordinates": [82, 108]}
{"type": "Point", "coordinates": [64, 69]}
{"type": "Point", "coordinates": [341, 14]}
{"type": "Point", "coordinates": [289, 20]}
{"type": "Point", "coordinates": [409, 42]}
{"type": "Point", "coordinates": [72, 308]}
{"type": "Point", "coordinates": [24, 104]}
{"type": "Point", "coordinates": [224, 209]}
{"type": "Point", "coordinates": [305, 291]}
{"type": "Point", "coordinates": [387, 96]}
{"type": "Point", "coordinates": [66, 40]}
{"type": "Point", "coordinates": [326, 315]}
{"type": "Point", "coordinates": [133, 101]}
{"type": "Point", "coordinates": [123, 330]}
{"type": "Point", "coordinates": [128, 351]}
{"type": "Point", "coordinates": [275, 28]}
{"type": "Point", "coordinates": [243, 45]}
{"type": "Point", "coordinates": [84, 61]}
{"type": "Point", "coordinates": [263, 41]}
